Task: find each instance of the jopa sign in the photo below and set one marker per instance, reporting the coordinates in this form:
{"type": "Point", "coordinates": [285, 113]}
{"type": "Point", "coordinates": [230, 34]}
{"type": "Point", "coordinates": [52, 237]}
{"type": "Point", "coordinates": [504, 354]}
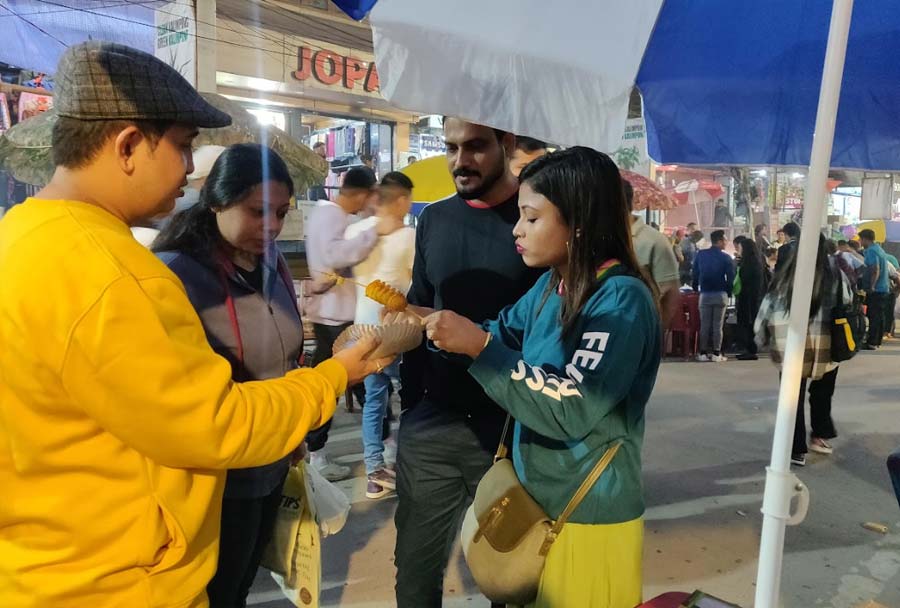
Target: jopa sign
{"type": "Point", "coordinates": [331, 68]}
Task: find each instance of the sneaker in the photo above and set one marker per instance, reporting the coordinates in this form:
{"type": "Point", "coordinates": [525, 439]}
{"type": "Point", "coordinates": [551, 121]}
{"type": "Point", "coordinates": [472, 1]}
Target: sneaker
{"type": "Point", "coordinates": [868, 347]}
{"type": "Point", "coordinates": [380, 484]}
{"type": "Point", "coordinates": [718, 358]}
{"type": "Point", "coordinates": [703, 358]}
{"type": "Point", "coordinates": [819, 445]}
{"type": "Point", "coordinates": [747, 357]}
{"type": "Point", "coordinates": [329, 470]}
{"type": "Point", "coordinates": [798, 459]}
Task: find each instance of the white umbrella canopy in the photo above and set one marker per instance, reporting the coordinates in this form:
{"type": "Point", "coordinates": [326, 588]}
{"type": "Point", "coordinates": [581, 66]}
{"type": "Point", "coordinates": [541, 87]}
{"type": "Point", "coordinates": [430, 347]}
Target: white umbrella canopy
{"type": "Point", "coordinates": [524, 67]}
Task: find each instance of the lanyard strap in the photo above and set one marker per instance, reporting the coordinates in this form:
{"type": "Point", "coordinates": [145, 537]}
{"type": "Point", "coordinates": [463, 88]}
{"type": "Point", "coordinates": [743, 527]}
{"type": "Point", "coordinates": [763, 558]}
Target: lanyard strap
{"type": "Point", "coordinates": [226, 267]}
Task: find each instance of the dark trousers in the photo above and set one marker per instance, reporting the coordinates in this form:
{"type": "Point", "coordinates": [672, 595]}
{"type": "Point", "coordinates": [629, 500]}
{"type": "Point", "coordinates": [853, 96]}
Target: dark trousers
{"type": "Point", "coordinates": [876, 303]}
{"type": "Point", "coordinates": [820, 393]}
{"type": "Point", "coordinates": [889, 313]}
{"type": "Point", "coordinates": [325, 337]}
{"type": "Point", "coordinates": [247, 526]}
{"type": "Point", "coordinates": [746, 336]}
{"type": "Point", "coordinates": [439, 464]}
{"type": "Point", "coordinates": [893, 465]}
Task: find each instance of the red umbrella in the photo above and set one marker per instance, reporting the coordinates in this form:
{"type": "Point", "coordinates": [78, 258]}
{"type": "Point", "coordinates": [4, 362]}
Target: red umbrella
{"type": "Point", "coordinates": [697, 191]}
{"type": "Point", "coordinates": [647, 195]}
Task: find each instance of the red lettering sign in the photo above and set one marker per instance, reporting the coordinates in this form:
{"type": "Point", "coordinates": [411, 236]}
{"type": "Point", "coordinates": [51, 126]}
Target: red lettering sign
{"type": "Point", "coordinates": [330, 68]}
{"type": "Point", "coordinates": [354, 70]}
{"type": "Point", "coordinates": [372, 78]}
{"type": "Point", "coordinates": [304, 64]}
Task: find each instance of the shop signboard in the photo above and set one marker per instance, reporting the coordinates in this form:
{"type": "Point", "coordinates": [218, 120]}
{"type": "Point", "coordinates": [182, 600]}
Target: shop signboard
{"type": "Point", "coordinates": [176, 37]}
{"type": "Point", "coordinates": [877, 198]}
{"type": "Point", "coordinates": [631, 155]}
{"type": "Point", "coordinates": [331, 68]}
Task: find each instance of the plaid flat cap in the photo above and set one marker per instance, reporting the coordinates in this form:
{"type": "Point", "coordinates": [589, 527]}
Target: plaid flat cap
{"type": "Point", "coordinates": [105, 81]}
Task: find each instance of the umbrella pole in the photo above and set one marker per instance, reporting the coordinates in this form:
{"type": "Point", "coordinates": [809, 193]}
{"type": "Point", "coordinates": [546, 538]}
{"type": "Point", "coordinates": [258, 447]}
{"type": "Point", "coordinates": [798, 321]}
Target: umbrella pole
{"type": "Point", "coordinates": [781, 484]}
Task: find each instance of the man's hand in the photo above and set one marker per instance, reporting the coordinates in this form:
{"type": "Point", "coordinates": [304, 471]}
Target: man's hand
{"type": "Point", "coordinates": [354, 360]}
{"type": "Point", "coordinates": [455, 334]}
{"type": "Point", "coordinates": [412, 314]}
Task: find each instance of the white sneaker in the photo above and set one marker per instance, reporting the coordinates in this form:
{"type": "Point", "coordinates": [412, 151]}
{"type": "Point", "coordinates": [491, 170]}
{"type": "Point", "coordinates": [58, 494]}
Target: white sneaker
{"type": "Point", "coordinates": [703, 358]}
{"type": "Point", "coordinates": [718, 358]}
{"type": "Point", "coordinates": [329, 470]}
{"type": "Point", "coordinates": [819, 445]}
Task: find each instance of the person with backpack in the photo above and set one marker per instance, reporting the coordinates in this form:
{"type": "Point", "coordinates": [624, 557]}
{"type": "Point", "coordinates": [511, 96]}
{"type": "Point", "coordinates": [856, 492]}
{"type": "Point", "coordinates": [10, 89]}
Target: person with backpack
{"type": "Point", "coordinates": [831, 287]}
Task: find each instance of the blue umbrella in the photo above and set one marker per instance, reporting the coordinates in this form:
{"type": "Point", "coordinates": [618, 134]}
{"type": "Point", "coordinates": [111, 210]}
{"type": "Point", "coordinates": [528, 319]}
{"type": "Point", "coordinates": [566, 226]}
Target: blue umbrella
{"type": "Point", "coordinates": [740, 82]}
{"type": "Point", "coordinates": [357, 9]}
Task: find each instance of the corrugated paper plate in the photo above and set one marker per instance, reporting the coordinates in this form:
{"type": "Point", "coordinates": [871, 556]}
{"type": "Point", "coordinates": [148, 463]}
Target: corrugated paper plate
{"type": "Point", "coordinates": [395, 338]}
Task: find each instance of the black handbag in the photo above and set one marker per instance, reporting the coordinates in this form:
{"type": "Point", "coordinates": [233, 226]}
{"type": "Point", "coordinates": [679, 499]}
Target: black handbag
{"type": "Point", "coordinates": [848, 325]}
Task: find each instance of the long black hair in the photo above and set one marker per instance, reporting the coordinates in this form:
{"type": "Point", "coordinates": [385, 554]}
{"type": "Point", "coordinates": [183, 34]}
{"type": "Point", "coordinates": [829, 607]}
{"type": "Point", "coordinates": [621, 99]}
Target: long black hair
{"type": "Point", "coordinates": [751, 257]}
{"type": "Point", "coordinates": [783, 283]}
{"type": "Point", "coordinates": [238, 170]}
{"type": "Point", "coordinates": [586, 187]}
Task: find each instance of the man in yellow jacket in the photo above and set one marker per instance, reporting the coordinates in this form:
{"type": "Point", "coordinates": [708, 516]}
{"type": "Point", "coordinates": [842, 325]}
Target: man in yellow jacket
{"type": "Point", "coordinates": [117, 420]}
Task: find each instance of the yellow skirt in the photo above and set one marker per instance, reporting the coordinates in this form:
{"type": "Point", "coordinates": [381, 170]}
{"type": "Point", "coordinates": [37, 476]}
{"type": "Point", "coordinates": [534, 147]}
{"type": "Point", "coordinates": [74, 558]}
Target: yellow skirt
{"type": "Point", "coordinates": [594, 566]}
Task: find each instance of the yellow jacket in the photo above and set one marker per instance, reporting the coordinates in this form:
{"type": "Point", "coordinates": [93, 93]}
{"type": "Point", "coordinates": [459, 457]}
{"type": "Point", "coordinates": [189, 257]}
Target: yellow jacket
{"type": "Point", "coordinates": [118, 421]}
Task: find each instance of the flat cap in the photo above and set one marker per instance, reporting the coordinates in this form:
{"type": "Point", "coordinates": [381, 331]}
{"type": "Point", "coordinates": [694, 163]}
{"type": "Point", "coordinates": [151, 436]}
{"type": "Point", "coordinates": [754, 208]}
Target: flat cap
{"type": "Point", "coordinates": [98, 80]}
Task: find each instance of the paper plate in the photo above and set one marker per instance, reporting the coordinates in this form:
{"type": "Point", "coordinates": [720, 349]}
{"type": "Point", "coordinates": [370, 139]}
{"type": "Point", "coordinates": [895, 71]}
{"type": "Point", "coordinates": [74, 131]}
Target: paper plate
{"type": "Point", "coordinates": [395, 338]}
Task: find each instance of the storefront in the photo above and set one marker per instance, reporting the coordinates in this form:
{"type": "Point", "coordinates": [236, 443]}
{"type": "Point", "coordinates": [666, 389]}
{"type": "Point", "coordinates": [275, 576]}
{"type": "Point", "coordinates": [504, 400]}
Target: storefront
{"type": "Point", "coordinates": [317, 92]}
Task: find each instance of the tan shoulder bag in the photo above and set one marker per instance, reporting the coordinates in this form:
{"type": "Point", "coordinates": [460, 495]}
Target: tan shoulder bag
{"type": "Point", "coordinates": [506, 535]}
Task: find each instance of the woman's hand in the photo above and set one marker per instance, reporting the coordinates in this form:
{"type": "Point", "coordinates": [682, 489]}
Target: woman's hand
{"type": "Point", "coordinates": [355, 360]}
{"type": "Point", "coordinates": [455, 334]}
{"type": "Point", "coordinates": [299, 454]}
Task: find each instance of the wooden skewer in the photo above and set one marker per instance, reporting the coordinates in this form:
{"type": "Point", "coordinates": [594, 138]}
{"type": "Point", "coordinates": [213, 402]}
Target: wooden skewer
{"type": "Point", "coordinates": [337, 277]}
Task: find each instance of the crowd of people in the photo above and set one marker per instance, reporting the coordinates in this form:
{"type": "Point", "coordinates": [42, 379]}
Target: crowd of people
{"type": "Point", "coordinates": [758, 279]}
{"type": "Point", "coordinates": [154, 400]}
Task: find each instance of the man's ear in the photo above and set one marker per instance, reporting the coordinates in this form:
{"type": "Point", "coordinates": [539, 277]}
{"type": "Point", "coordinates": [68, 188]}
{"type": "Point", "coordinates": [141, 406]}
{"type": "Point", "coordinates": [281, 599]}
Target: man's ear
{"type": "Point", "coordinates": [509, 144]}
{"type": "Point", "coordinates": [124, 146]}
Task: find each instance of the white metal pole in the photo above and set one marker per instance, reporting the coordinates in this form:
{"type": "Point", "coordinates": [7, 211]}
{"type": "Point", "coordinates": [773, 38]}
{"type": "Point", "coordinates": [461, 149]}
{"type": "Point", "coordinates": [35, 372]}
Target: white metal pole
{"type": "Point", "coordinates": [779, 482]}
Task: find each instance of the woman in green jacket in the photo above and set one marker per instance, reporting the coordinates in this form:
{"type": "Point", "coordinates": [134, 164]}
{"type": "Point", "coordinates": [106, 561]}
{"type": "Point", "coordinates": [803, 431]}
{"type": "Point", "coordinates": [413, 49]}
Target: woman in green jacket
{"type": "Point", "coordinates": [574, 362]}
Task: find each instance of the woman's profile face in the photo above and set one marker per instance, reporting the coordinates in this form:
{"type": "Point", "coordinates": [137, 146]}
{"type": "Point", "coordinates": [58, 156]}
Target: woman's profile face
{"type": "Point", "coordinates": [252, 223]}
{"type": "Point", "coordinates": [541, 234]}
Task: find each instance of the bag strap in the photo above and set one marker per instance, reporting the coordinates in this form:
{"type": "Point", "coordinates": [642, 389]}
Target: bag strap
{"type": "Point", "coordinates": [839, 284]}
{"type": "Point", "coordinates": [579, 496]}
{"type": "Point", "coordinates": [502, 450]}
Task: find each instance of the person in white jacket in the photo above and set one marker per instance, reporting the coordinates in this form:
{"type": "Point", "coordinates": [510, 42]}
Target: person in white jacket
{"type": "Point", "coordinates": [391, 261]}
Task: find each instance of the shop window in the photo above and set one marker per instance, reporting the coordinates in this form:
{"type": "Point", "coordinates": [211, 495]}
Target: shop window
{"type": "Point", "coordinates": [269, 118]}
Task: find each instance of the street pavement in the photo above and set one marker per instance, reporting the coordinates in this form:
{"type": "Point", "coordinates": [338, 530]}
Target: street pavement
{"type": "Point", "coordinates": [708, 441]}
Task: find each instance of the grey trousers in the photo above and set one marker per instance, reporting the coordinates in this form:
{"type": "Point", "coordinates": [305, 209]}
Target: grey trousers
{"type": "Point", "coordinates": [439, 464]}
{"type": "Point", "coordinates": [712, 318]}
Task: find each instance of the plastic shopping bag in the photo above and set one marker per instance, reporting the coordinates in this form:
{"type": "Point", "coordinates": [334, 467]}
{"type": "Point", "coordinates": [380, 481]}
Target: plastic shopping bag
{"type": "Point", "coordinates": [330, 504]}
{"type": "Point", "coordinates": [294, 553]}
